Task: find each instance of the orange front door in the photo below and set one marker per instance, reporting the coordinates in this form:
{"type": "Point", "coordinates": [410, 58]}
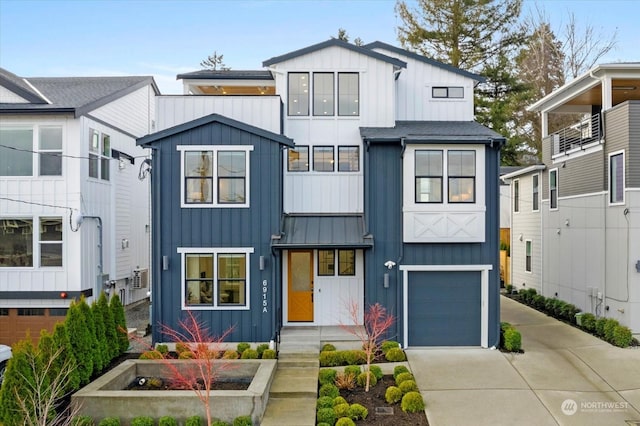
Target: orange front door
{"type": "Point", "coordinates": [301, 286]}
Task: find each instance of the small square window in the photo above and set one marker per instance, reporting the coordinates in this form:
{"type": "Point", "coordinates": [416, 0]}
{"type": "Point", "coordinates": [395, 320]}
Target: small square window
{"type": "Point", "coordinates": [346, 262]}
{"type": "Point", "coordinates": [326, 263]}
{"type": "Point", "coordinates": [348, 158]}
{"type": "Point", "coordinates": [298, 159]}
{"type": "Point", "coordinates": [323, 158]}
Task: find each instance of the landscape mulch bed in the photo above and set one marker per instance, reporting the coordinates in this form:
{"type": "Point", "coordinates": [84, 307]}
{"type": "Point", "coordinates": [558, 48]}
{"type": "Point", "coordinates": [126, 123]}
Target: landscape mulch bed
{"type": "Point", "coordinates": [375, 399]}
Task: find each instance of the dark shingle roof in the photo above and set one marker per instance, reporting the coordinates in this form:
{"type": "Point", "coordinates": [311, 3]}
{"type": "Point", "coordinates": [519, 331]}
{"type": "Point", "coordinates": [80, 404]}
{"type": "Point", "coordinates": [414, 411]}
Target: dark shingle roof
{"type": "Point", "coordinates": [78, 94]}
{"type": "Point", "coordinates": [227, 75]}
{"type": "Point", "coordinates": [421, 58]}
{"type": "Point", "coordinates": [20, 87]}
{"type": "Point", "coordinates": [330, 43]}
{"type": "Point", "coordinates": [431, 131]}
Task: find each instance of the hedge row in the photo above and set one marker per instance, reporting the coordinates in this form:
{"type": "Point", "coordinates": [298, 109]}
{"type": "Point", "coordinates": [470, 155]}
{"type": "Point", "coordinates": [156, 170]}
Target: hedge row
{"type": "Point", "coordinates": [81, 347]}
{"type": "Point", "coordinates": [162, 421]}
{"type": "Point", "coordinates": [607, 329]}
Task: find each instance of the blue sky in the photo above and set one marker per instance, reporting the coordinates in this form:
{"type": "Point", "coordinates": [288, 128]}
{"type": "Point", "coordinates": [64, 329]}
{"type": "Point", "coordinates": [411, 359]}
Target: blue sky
{"type": "Point", "coordinates": [47, 38]}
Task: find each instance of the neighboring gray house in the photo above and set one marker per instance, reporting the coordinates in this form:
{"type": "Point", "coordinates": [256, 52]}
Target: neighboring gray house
{"type": "Point", "coordinates": [582, 243]}
{"type": "Point", "coordinates": [339, 175]}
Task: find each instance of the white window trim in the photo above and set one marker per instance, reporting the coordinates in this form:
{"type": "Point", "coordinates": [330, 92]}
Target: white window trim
{"type": "Point", "coordinates": [35, 243]}
{"type": "Point", "coordinates": [533, 194]}
{"type": "Point", "coordinates": [557, 189]}
{"type": "Point", "coordinates": [624, 180]}
{"type": "Point", "coordinates": [525, 256]}
{"type": "Point", "coordinates": [516, 182]}
{"type": "Point", "coordinates": [215, 251]}
{"type": "Point", "coordinates": [99, 154]}
{"type": "Point", "coordinates": [214, 195]}
{"type": "Point", "coordinates": [35, 148]}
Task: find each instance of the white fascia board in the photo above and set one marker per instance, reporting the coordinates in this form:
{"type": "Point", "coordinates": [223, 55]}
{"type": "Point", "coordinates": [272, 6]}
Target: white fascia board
{"type": "Point", "coordinates": [526, 170]}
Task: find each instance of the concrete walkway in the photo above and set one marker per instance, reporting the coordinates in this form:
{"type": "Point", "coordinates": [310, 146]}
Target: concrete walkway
{"type": "Point", "coordinates": [565, 377]}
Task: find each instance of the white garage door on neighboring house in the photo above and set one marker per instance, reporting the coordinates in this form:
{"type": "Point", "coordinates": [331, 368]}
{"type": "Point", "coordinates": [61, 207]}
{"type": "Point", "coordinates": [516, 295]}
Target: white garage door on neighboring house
{"type": "Point", "coordinates": [445, 305]}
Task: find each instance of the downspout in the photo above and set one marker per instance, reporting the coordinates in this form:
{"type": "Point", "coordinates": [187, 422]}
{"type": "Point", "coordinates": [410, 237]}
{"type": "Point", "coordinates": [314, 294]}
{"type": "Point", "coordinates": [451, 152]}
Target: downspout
{"type": "Point", "coordinates": [496, 344]}
{"type": "Point", "coordinates": [403, 147]}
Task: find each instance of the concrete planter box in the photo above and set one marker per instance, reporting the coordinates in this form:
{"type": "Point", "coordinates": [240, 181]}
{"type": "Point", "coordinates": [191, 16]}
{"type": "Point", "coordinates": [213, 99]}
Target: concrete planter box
{"type": "Point", "coordinates": [105, 397]}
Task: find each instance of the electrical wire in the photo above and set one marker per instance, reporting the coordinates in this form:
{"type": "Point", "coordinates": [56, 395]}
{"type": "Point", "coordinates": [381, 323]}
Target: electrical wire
{"type": "Point", "coordinates": [46, 205]}
{"type": "Point", "coordinates": [56, 154]}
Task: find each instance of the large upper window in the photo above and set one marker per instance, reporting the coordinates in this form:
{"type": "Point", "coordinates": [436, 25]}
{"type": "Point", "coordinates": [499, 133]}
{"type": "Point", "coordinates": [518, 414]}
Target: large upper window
{"type": "Point", "coordinates": [535, 189]}
{"type": "Point", "coordinates": [428, 173]}
{"type": "Point", "coordinates": [19, 146]}
{"type": "Point", "coordinates": [323, 158]}
{"type": "Point", "coordinates": [298, 101]}
{"type": "Point", "coordinates": [616, 178]}
{"type": "Point", "coordinates": [216, 278]}
{"type": "Point", "coordinates": [323, 93]}
{"type": "Point", "coordinates": [460, 172]}
{"type": "Point", "coordinates": [553, 188]}
{"type": "Point", "coordinates": [215, 176]}
{"type": "Point", "coordinates": [298, 160]}
{"type": "Point", "coordinates": [348, 94]}
{"type": "Point", "coordinates": [461, 169]}
{"type": "Point", "coordinates": [99, 154]}
{"type": "Point", "coordinates": [20, 246]}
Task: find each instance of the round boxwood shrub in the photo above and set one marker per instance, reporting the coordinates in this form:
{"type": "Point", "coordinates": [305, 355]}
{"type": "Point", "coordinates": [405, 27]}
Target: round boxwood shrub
{"type": "Point", "coordinates": [345, 421]}
{"type": "Point", "coordinates": [412, 402]}
{"type": "Point", "coordinates": [167, 421]}
{"type": "Point", "coordinates": [339, 400]}
{"type": "Point", "coordinates": [83, 421]}
{"type": "Point", "coordinates": [241, 347]}
{"type": "Point", "coordinates": [230, 354]}
{"type": "Point", "coordinates": [151, 355]}
{"type": "Point", "coordinates": [269, 354]}
{"type": "Point", "coordinates": [243, 421]}
{"type": "Point", "coordinates": [399, 369]}
{"type": "Point", "coordinates": [325, 402]}
{"type": "Point", "coordinates": [142, 421]}
{"type": "Point", "coordinates": [393, 394]}
{"type": "Point", "coordinates": [261, 348]}
{"type": "Point", "coordinates": [110, 421]}
{"type": "Point", "coordinates": [377, 371]}
{"type": "Point", "coordinates": [512, 340]}
{"type": "Point", "coordinates": [408, 386]}
{"type": "Point", "coordinates": [329, 390]}
{"type": "Point", "coordinates": [331, 358]}
{"type": "Point", "coordinates": [354, 357]}
{"type": "Point", "coordinates": [622, 336]}
{"type": "Point", "coordinates": [361, 380]}
{"type": "Point", "coordinates": [219, 423]}
{"type": "Point", "coordinates": [162, 348]}
{"type": "Point", "coordinates": [249, 354]}
{"type": "Point", "coordinates": [194, 421]}
{"type": "Point", "coordinates": [402, 377]}
{"type": "Point", "coordinates": [323, 424]}
{"type": "Point", "coordinates": [328, 347]}
{"type": "Point", "coordinates": [353, 369]}
{"type": "Point", "coordinates": [327, 375]}
{"type": "Point", "coordinates": [326, 415]}
{"type": "Point", "coordinates": [186, 355]}
{"type": "Point", "coordinates": [609, 328]}
{"type": "Point", "coordinates": [388, 344]}
{"type": "Point", "coordinates": [395, 355]}
{"type": "Point", "coordinates": [358, 412]}
{"type": "Point", "coordinates": [341, 410]}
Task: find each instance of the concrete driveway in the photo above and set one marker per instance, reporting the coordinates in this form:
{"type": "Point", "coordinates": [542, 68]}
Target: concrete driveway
{"type": "Point", "coordinates": [565, 377]}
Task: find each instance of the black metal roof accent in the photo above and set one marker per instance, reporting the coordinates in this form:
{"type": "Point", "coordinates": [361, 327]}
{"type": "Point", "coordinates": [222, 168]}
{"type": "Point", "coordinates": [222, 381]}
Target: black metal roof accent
{"type": "Point", "coordinates": [421, 58]}
{"type": "Point", "coordinates": [330, 43]}
{"type": "Point", "coordinates": [323, 231]}
{"type": "Point", "coordinates": [214, 118]}
{"type": "Point", "coordinates": [432, 132]}
{"type": "Point", "coordinates": [226, 75]}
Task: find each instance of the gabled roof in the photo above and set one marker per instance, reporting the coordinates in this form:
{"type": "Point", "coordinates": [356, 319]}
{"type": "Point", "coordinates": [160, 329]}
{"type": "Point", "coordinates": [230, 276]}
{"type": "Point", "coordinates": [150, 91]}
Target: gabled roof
{"type": "Point", "coordinates": [214, 118]}
{"type": "Point", "coordinates": [226, 75]}
{"type": "Point", "coordinates": [432, 132]}
{"type": "Point", "coordinates": [20, 87]}
{"type": "Point", "coordinates": [421, 58]}
{"type": "Point", "coordinates": [77, 95]}
{"type": "Point", "coordinates": [331, 43]}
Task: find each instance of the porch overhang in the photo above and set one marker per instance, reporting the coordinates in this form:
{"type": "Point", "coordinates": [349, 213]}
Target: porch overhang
{"type": "Point", "coordinates": [302, 231]}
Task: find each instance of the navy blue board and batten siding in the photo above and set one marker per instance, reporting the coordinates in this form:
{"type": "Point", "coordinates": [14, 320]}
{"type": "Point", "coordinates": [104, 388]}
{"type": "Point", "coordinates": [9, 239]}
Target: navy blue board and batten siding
{"type": "Point", "coordinates": [383, 215]}
{"type": "Point", "coordinates": [217, 227]}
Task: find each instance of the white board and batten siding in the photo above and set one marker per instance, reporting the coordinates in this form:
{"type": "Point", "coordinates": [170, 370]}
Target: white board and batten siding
{"type": "Point", "coordinates": [258, 111]}
{"type": "Point", "coordinates": [132, 113]}
{"type": "Point", "coordinates": [8, 97]}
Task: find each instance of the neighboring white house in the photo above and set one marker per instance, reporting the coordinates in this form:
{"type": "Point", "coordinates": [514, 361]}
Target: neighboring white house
{"type": "Point", "coordinates": [582, 242]}
{"type": "Point", "coordinates": [67, 151]}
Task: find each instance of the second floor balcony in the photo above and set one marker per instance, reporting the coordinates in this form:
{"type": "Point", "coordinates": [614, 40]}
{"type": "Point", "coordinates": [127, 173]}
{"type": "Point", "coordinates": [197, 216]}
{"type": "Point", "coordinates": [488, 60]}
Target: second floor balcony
{"type": "Point", "coordinates": [577, 136]}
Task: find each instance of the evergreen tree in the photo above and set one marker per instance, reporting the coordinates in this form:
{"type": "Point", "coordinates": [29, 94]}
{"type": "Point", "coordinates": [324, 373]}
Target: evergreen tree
{"type": "Point", "coordinates": [66, 357]}
{"type": "Point", "coordinates": [19, 378]}
{"type": "Point", "coordinates": [81, 340]}
{"type": "Point", "coordinates": [102, 357]}
{"type": "Point", "coordinates": [121, 323]}
{"type": "Point", "coordinates": [110, 330]}
{"type": "Point", "coordinates": [89, 323]}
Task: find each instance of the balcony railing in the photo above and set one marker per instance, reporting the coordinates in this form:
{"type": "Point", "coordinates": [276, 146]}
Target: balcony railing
{"type": "Point", "coordinates": [575, 136]}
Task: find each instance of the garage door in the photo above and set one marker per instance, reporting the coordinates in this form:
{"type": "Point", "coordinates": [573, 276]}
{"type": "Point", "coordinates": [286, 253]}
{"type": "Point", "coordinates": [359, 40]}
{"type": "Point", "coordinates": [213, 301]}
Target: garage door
{"type": "Point", "coordinates": [444, 308]}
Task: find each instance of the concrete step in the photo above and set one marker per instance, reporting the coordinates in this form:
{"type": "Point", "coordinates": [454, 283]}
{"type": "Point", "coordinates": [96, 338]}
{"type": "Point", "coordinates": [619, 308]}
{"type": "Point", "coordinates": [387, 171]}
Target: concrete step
{"type": "Point", "coordinates": [290, 412]}
{"type": "Point", "coordinates": [294, 354]}
{"type": "Point", "coordinates": [294, 382]}
{"type": "Point", "coordinates": [298, 363]}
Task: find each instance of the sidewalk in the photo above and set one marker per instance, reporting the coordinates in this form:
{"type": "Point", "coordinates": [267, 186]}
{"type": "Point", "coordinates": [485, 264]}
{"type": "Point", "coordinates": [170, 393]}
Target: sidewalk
{"type": "Point", "coordinates": [565, 377]}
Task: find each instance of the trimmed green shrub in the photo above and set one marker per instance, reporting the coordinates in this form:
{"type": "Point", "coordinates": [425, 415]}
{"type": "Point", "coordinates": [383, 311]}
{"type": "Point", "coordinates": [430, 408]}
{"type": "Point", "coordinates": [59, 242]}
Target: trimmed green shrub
{"type": "Point", "coordinates": [345, 421]}
{"type": "Point", "coordinates": [117, 310]}
{"type": "Point", "coordinates": [269, 354]}
{"type": "Point", "coordinates": [361, 380]}
{"type": "Point", "coordinates": [402, 377]}
{"type": "Point", "coordinates": [512, 340]}
{"type": "Point", "coordinates": [323, 424]}
{"type": "Point", "coordinates": [187, 355]}
{"type": "Point", "coordinates": [142, 421]}
{"type": "Point", "coordinates": [353, 369]}
{"type": "Point", "coordinates": [242, 347]}
{"type": "Point", "coordinates": [328, 347]}
{"type": "Point", "coordinates": [327, 375]}
{"type": "Point", "coordinates": [325, 402]}
{"type": "Point", "coordinates": [354, 357]}
{"type": "Point", "coordinates": [110, 330]}
{"type": "Point", "coordinates": [548, 305]}
{"type": "Point", "coordinates": [395, 355]}
{"type": "Point", "coordinates": [243, 421]}
{"type": "Point", "coordinates": [408, 386]}
{"type": "Point", "coordinates": [412, 402]}
{"type": "Point", "coordinates": [151, 355]}
{"type": "Point", "coordinates": [249, 354]}
{"type": "Point", "coordinates": [331, 358]}
{"type": "Point", "coordinates": [377, 371]}
{"type": "Point", "coordinates": [609, 328]}
{"type": "Point", "coordinates": [568, 313]}
{"type": "Point", "coordinates": [341, 410]}
{"type": "Point", "coordinates": [509, 288]}
{"type": "Point", "coordinates": [61, 347]}
{"type": "Point", "coordinates": [358, 412]}
{"type": "Point", "coordinates": [110, 421]}
{"type": "Point", "coordinates": [600, 322]}
{"type": "Point", "coordinates": [80, 340]}
{"type": "Point", "coordinates": [622, 336]}
{"type": "Point", "coordinates": [326, 415]}
{"type": "Point", "coordinates": [329, 389]}
{"type": "Point", "coordinates": [230, 354]}
{"type": "Point", "coordinates": [339, 400]}
{"type": "Point", "coordinates": [167, 421]}
{"type": "Point", "coordinates": [393, 394]}
{"type": "Point", "coordinates": [558, 307]}
{"type": "Point", "coordinates": [538, 301]}
{"type": "Point", "coordinates": [399, 369]}
{"type": "Point", "coordinates": [193, 421]}
{"type": "Point", "coordinates": [162, 348]}
{"type": "Point", "coordinates": [182, 347]}
{"type": "Point", "coordinates": [589, 322]}
{"type": "Point", "coordinates": [82, 420]}
{"type": "Point", "coordinates": [388, 344]}
{"type": "Point", "coordinates": [261, 348]}
{"type": "Point", "coordinates": [219, 423]}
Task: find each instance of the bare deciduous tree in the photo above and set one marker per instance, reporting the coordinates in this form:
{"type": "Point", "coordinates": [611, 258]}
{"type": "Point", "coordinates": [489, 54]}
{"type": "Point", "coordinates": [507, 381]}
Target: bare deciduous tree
{"type": "Point", "coordinates": [584, 46]}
